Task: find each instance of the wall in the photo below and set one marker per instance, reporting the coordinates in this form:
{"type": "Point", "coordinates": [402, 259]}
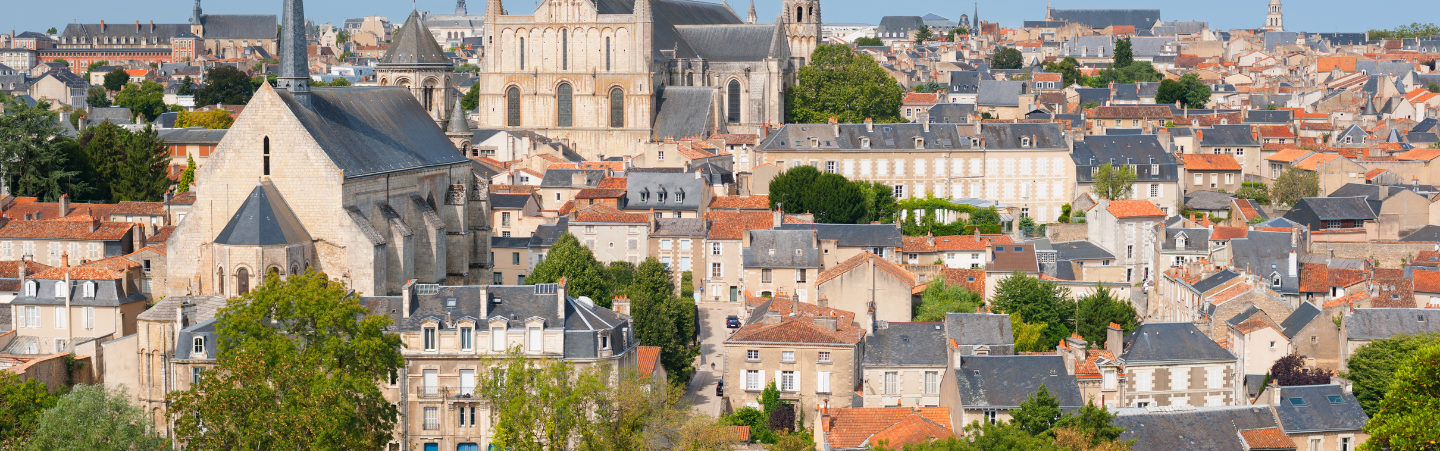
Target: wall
{"type": "Point", "coordinates": [1388, 254]}
{"type": "Point", "coordinates": [910, 386]}
{"type": "Point", "coordinates": [1059, 233]}
{"type": "Point", "coordinates": [1196, 391]}
{"type": "Point", "coordinates": [842, 367]}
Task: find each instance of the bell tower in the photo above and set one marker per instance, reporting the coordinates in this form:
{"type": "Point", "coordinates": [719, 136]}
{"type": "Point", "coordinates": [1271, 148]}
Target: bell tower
{"type": "Point", "coordinates": [802, 27]}
{"type": "Point", "coordinates": [1274, 19]}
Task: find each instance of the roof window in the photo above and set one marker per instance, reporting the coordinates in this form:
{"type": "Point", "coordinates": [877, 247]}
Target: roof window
{"type": "Point", "coordinates": [1297, 401]}
{"type": "Point", "coordinates": [1335, 399]}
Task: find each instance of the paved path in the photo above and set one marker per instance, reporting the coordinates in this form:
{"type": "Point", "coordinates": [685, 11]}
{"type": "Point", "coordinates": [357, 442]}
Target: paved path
{"type": "Point", "coordinates": [710, 365]}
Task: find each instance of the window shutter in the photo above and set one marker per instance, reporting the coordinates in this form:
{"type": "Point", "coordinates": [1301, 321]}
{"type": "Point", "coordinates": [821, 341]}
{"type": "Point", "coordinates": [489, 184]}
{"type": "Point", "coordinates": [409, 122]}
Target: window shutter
{"type": "Point", "coordinates": [797, 381]}
{"type": "Point", "coordinates": [777, 382]}
{"type": "Point", "coordinates": [822, 382]}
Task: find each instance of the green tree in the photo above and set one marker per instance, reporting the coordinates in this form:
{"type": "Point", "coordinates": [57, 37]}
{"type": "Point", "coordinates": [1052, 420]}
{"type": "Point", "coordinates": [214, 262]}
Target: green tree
{"type": "Point", "coordinates": [880, 202]}
{"type": "Point", "coordinates": [1095, 421]}
{"type": "Point", "coordinates": [187, 87]}
{"type": "Point", "coordinates": [300, 364]}
{"type": "Point", "coordinates": [1293, 185]}
{"type": "Point", "coordinates": [94, 65]}
{"type": "Point", "coordinates": [51, 31]}
{"type": "Point", "coordinates": [1007, 58]}
{"type": "Point", "coordinates": [146, 99]}
{"type": "Point", "coordinates": [116, 79]}
{"type": "Point", "coordinates": [868, 42]}
{"type": "Point", "coordinates": [22, 401]}
{"type": "Point", "coordinates": [1139, 71]}
{"type": "Point", "coordinates": [619, 275]}
{"type": "Point", "coordinates": [770, 399]}
{"type": "Point", "coordinates": [1124, 56]}
{"type": "Point", "coordinates": [187, 177]}
{"type": "Point", "coordinates": [830, 197]}
{"type": "Point", "coordinates": [840, 83]}
{"type": "Point", "coordinates": [538, 406]}
{"type": "Point", "coordinates": [60, 61]}
{"type": "Point", "coordinates": [1433, 87]}
{"type": "Point", "coordinates": [1414, 30]}
{"type": "Point", "coordinates": [471, 101]}
{"type": "Point", "coordinates": [1036, 301]}
{"type": "Point", "coordinates": [467, 69]}
{"type": "Point", "coordinates": [1373, 367]}
{"type": "Point", "coordinates": [104, 145]}
{"type": "Point", "coordinates": [923, 34]}
{"type": "Point", "coordinates": [957, 31]}
{"type": "Point", "coordinates": [928, 87]}
{"type": "Point", "coordinates": [342, 37]}
{"type": "Point", "coordinates": [663, 319]}
{"type": "Point", "coordinates": [96, 97]}
{"type": "Point", "coordinates": [144, 174]}
{"type": "Point", "coordinates": [1068, 68]}
{"type": "Point", "coordinates": [216, 119]}
{"type": "Point", "coordinates": [1028, 336]}
{"type": "Point", "coordinates": [92, 418]}
{"type": "Point", "coordinates": [758, 422]}
{"type": "Point", "coordinates": [1038, 412]}
{"type": "Point", "coordinates": [37, 152]}
{"type": "Point", "coordinates": [1189, 90]}
{"type": "Point", "coordinates": [795, 441]}
{"type": "Point", "coordinates": [1406, 419]}
{"type": "Point", "coordinates": [576, 264]}
{"type": "Point", "coordinates": [1255, 191]}
{"type": "Point", "coordinates": [225, 85]}
{"type": "Point", "coordinates": [1113, 182]}
{"type": "Point", "coordinates": [1098, 310]}
{"type": "Point", "coordinates": [940, 298]}
{"type": "Point", "coordinates": [999, 436]}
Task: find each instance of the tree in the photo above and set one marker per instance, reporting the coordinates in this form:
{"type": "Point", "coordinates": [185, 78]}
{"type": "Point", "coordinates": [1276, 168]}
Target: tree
{"type": "Point", "coordinates": [830, 197]}
{"type": "Point", "coordinates": [1036, 301]}
{"type": "Point", "coordinates": [1007, 58]}
{"type": "Point", "coordinates": [929, 87]}
{"type": "Point", "coordinates": [471, 101]}
{"type": "Point", "coordinates": [1433, 87]}
{"type": "Point", "coordinates": [795, 441]}
{"type": "Point", "coordinates": [1414, 30]}
{"type": "Point", "coordinates": [1113, 182]}
{"type": "Point", "coordinates": [868, 42]}
{"type": "Point", "coordinates": [97, 98]}
{"type": "Point", "coordinates": [1068, 68]}
{"type": "Point", "coordinates": [1038, 413]}
{"type": "Point", "coordinates": [1374, 366]}
{"type": "Point", "coordinates": [22, 401]}
{"type": "Point", "coordinates": [1406, 420]}
{"type": "Point", "coordinates": [1098, 310]}
{"type": "Point", "coordinates": [940, 298]}
{"type": "Point", "coordinates": [1255, 191]}
{"type": "Point", "coordinates": [1189, 90]}
{"type": "Point", "coordinates": [1028, 336]}
{"type": "Point", "coordinates": [342, 37]}
{"type": "Point", "coordinates": [93, 418]}
{"type": "Point", "coordinates": [301, 363]}
{"type": "Point", "coordinates": [94, 65]}
{"type": "Point", "coordinates": [104, 146]}
{"type": "Point", "coordinates": [37, 152]}
{"type": "Point", "coordinates": [145, 173]}
{"type": "Point", "coordinates": [923, 34]}
{"type": "Point", "coordinates": [146, 99]}
{"type": "Point", "coordinates": [1096, 422]}
{"type": "Point", "coordinates": [1290, 370]}
{"type": "Point", "coordinates": [758, 422]}
{"type": "Point", "coordinates": [116, 79]}
{"type": "Point", "coordinates": [848, 86]}
{"type": "Point", "coordinates": [1139, 71]}
{"type": "Point", "coordinates": [187, 177]}
{"type": "Point", "coordinates": [880, 205]}
{"type": "Point", "coordinates": [620, 275]}
{"type": "Point", "coordinates": [999, 436]}
{"type": "Point", "coordinates": [60, 61]}
{"type": "Point", "coordinates": [51, 31]}
{"type": "Point", "coordinates": [1124, 56]}
{"type": "Point", "coordinates": [216, 119]}
{"type": "Point", "coordinates": [662, 319]}
{"type": "Point", "coordinates": [467, 69]}
{"type": "Point", "coordinates": [584, 276]}
{"type": "Point", "coordinates": [1293, 185]}
{"type": "Point", "coordinates": [187, 87]}
{"type": "Point", "coordinates": [1074, 440]}
{"type": "Point", "coordinates": [225, 85]}
{"type": "Point", "coordinates": [957, 31]}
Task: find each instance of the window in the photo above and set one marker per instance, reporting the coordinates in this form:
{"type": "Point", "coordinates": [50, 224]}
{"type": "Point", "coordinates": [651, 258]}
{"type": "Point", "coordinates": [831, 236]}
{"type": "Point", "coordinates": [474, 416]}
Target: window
{"type": "Point", "coordinates": [6, 250]}
{"type": "Point", "coordinates": [899, 191]}
{"type": "Point", "coordinates": [32, 315]}
{"type": "Point", "coordinates": [1130, 251]}
{"type": "Point", "coordinates": [664, 245]}
{"type": "Point", "coordinates": [564, 112]}
{"type": "Point", "coordinates": [497, 339]}
{"type": "Point", "coordinates": [617, 98]}
{"type": "Point", "coordinates": [467, 338]}
{"type": "Point", "coordinates": [684, 245]}
{"type": "Point", "coordinates": [892, 380]}
{"type": "Point", "coordinates": [1214, 377]}
{"type": "Point", "coordinates": [60, 289]}
{"type": "Point", "coordinates": [1154, 190]}
{"type": "Point", "coordinates": [144, 263]}
{"type": "Point", "coordinates": [787, 356]}
{"type": "Point", "coordinates": [536, 339]}
{"type": "Point", "coordinates": [514, 258]}
{"type": "Point", "coordinates": [564, 49]}
{"type": "Point", "coordinates": [505, 219]}
{"type": "Point", "coordinates": [30, 288]}
{"type": "Point", "coordinates": [1335, 399]}
{"type": "Point", "coordinates": [752, 379]}
{"type": "Point", "coordinates": [522, 53]}
{"type": "Point", "coordinates": [88, 289]}
{"type": "Point", "coordinates": [195, 375]}
{"type": "Point", "coordinates": [1315, 444]}
{"type": "Point", "coordinates": [732, 92]}
{"type": "Point", "coordinates": [715, 271]}
{"type": "Point", "coordinates": [990, 416]}
{"type": "Point", "coordinates": [431, 383]}
{"type": "Point", "coordinates": [198, 345]}
{"type": "Point", "coordinates": [788, 381]}
{"type": "Point", "coordinates": [512, 104]}
{"type": "Point", "coordinates": [824, 356]}
{"type": "Point", "coordinates": [822, 382]}
{"type": "Point", "coordinates": [632, 244]}
{"type": "Point", "coordinates": [59, 317]}
{"type": "Point", "coordinates": [607, 54]}
{"type": "Point", "coordinates": [429, 338]}
{"type": "Point", "coordinates": [1344, 443]}
{"type": "Point", "coordinates": [714, 248]}
{"type": "Point", "coordinates": [830, 167]}
{"type": "Point", "coordinates": [932, 383]}
{"type": "Point", "coordinates": [765, 275]}
{"type": "Point", "coordinates": [266, 157]}
{"type": "Point", "coordinates": [1143, 381]}
{"type": "Point", "coordinates": [89, 317]}
{"type": "Point", "coordinates": [1297, 401]}
{"type": "Point", "coordinates": [799, 273]}
{"type": "Point", "coordinates": [499, 278]}
{"type": "Point", "coordinates": [589, 229]}
{"type": "Point", "coordinates": [432, 417]}
{"type": "Point", "coordinates": [1110, 380]}
{"type": "Point", "coordinates": [660, 155]}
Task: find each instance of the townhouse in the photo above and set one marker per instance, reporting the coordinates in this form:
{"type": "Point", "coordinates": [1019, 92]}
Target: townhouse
{"type": "Point", "coordinates": [1157, 175]}
{"type": "Point", "coordinates": [954, 251]}
{"type": "Point", "coordinates": [812, 355]}
{"type": "Point", "coordinates": [904, 365]}
{"type": "Point", "coordinates": [1127, 229]}
{"type": "Point", "coordinates": [1211, 172]}
{"type": "Point", "coordinates": [1235, 140]}
{"type": "Point", "coordinates": [1175, 364]}
{"type": "Point", "coordinates": [74, 309]}
{"type": "Point", "coordinates": [780, 261]}
{"type": "Point", "coordinates": [613, 235]}
{"type": "Point", "coordinates": [50, 241]}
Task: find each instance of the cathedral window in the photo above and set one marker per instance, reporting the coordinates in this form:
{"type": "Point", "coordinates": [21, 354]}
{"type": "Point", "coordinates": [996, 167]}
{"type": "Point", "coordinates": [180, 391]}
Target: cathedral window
{"type": "Point", "coordinates": [512, 107]}
{"type": "Point", "coordinates": [220, 281]}
{"type": "Point", "coordinates": [564, 111]}
{"type": "Point", "coordinates": [733, 92]}
{"type": "Point", "coordinates": [607, 54]}
{"type": "Point", "coordinates": [564, 49]}
{"type": "Point", "coordinates": [242, 281]}
{"type": "Point", "coordinates": [617, 108]}
{"type": "Point", "coordinates": [266, 157]}
{"type": "Point", "coordinates": [522, 53]}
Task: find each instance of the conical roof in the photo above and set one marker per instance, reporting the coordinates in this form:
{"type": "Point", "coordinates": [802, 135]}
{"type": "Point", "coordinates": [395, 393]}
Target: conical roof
{"type": "Point", "coordinates": [263, 220]}
{"type": "Point", "coordinates": [414, 45]}
{"type": "Point", "coordinates": [1369, 107]}
{"type": "Point", "coordinates": [458, 125]}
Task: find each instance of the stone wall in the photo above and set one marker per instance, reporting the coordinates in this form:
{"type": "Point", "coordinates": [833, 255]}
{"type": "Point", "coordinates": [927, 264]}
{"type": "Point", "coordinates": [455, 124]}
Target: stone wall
{"type": "Point", "coordinates": [1060, 233]}
{"type": "Point", "coordinates": [1388, 254]}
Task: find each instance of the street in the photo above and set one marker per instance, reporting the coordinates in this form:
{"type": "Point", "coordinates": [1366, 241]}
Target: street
{"type": "Point", "coordinates": [710, 365]}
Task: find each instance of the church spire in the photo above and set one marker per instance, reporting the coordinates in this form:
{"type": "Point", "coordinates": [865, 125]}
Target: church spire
{"type": "Point", "coordinates": [749, 17]}
{"type": "Point", "coordinates": [458, 125]}
{"type": "Point", "coordinates": [195, 16]}
{"type": "Point", "coordinates": [460, 8]}
{"type": "Point", "coordinates": [294, 60]}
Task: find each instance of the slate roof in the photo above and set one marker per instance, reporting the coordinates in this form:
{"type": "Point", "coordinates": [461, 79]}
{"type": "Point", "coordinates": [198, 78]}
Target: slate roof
{"type": "Point", "coordinates": [966, 81]}
{"type": "Point", "coordinates": [999, 93]}
{"type": "Point", "coordinates": [907, 344]}
{"type": "Point", "coordinates": [1266, 252]}
{"type": "Point", "coordinates": [1171, 342]}
{"type": "Point", "coordinates": [264, 219]}
{"type": "Point", "coordinates": [1269, 116]}
{"type": "Point", "coordinates": [1214, 428]}
{"type": "Point", "coordinates": [1140, 150]}
{"type": "Point", "coordinates": [735, 42]}
{"type": "Point", "coordinates": [1378, 323]}
{"type": "Point", "coordinates": [1005, 381]}
{"type": "Point", "coordinates": [369, 131]}
{"type": "Point", "coordinates": [1331, 208]}
{"type": "Point", "coordinates": [563, 177]}
{"type": "Point", "coordinates": [771, 248]}
{"type": "Point", "coordinates": [1325, 408]}
{"type": "Point", "coordinates": [1427, 234]}
{"type": "Point", "coordinates": [114, 115]}
{"type": "Point", "coordinates": [680, 191]}
{"type": "Point", "coordinates": [1195, 239]}
{"type": "Point", "coordinates": [509, 201]}
{"type": "Point", "coordinates": [509, 242]}
{"type": "Point", "coordinates": [1228, 135]}
{"type": "Point", "coordinates": [682, 112]}
{"type": "Point", "coordinates": [979, 329]}
{"type": "Point", "coordinates": [1101, 18]}
{"type": "Point", "coordinates": [1298, 319]}
{"type": "Point", "coordinates": [1215, 280]}
{"type": "Point", "coordinates": [193, 136]}
{"type": "Point", "coordinates": [1208, 200]}
{"type": "Point", "coordinates": [238, 26]}
{"type": "Point", "coordinates": [1081, 250]}
{"type": "Point", "coordinates": [1007, 136]}
{"type": "Point", "coordinates": [414, 45]}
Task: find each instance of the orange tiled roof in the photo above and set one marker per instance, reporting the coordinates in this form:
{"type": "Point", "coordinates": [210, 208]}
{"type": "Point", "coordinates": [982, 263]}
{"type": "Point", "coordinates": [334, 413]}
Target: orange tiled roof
{"type": "Point", "coordinates": [801, 328]}
{"type": "Point", "coordinates": [1209, 162]}
{"type": "Point", "coordinates": [11, 269]}
{"type": "Point", "coordinates": [1255, 323]}
{"type": "Point", "coordinates": [80, 273]}
{"type": "Point", "coordinates": [950, 243]}
{"type": "Point", "coordinates": [1048, 76]}
{"type": "Point", "coordinates": [1288, 155]}
{"type": "Point", "coordinates": [922, 97]}
{"type": "Point", "coordinates": [1229, 233]}
{"type": "Point", "coordinates": [649, 357]}
{"type": "Point", "coordinates": [860, 427]}
{"type": "Point", "coordinates": [1375, 173]}
{"type": "Point", "coordinates": [1426, 281]}
{"type": "Point", "coordinates": [1230, 293]}
{"type": "Point", "coordinates": [606, 213]}
{"type": "Point", "coordinates": [1419, 155]}
{"type": "Point", "coordinates": [1328, 63]}
{"type": "Point", "coordinates": [1268, 438]}
{"type": "Point", "coordinates": [612, 183]}
{"type": "Point", "coordinates": [1275, 131]}
{"type": "Point", "coordinates": [967, 278]}
{"type": "Point", "coordinates": [1393, 292]}
{"type": "Point", "coordinates": [66, 230]}
{"type": "Point", "coordinates": [1346, 277]}
{"type": "Point", "coordinates": [856, 261]}
{"type": "Point", "coordinates": [757, 202]}
{"type": "Point", "coordinates": [731, 225]}
{"type": "Point", "coordinates": [138, 208]}
{"type": "Point", "coordinates": [598, 193]}
{"type": "Point", "coordinates": [162, 234]}
{"type": "Point", "coordinates": [1133, 209]}
{"type": "Point", "coordinates": [1314, 277]}
{"type": "Point", "coordinates": [1314, 162]}
{"type": "Point", "coordinates": [1090, 368]}
{"type": "Point", "coordinates": [1347, 300]}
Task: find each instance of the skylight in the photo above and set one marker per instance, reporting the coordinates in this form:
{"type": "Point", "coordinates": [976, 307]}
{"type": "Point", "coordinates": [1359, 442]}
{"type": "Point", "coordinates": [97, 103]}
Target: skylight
{"type": "Point", "coordinates": [1335, 399]}
{"type": "Point", "coordinates": [1297, 401]}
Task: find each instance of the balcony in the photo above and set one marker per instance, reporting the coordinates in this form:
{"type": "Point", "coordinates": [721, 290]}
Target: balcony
{"type": "Point", "coordinates": [445, 392]}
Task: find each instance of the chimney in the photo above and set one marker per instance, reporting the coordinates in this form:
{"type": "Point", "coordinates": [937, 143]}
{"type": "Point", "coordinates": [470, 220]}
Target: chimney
{"type": "Point", "coordinates": [621, 305]}
{"type": "Point", "coordinates": [777, 218]}
{"type": "Point", "coordinates": [64, 259]}
{"type": "Point", "coordinates": [64, 205]}
{"type": "Point", "coordinates": [771, 319]}
{"type": "Point", "coordinates": [925, 123]}
{"type": "Point", "coordinates": [1114, 340]}
{"type": "Point", "coordinates": [835, 125]}
{"type": "Point", "coordinates": [869, 125]}
{"type": "Point", "coordinates": [560, 300]}
{"type": "Point", "coordinates": [406, 298]}
{"type": "Point", "coordinates": [102, 26]}
{"type": "Point", "coordinates": [825, 322]}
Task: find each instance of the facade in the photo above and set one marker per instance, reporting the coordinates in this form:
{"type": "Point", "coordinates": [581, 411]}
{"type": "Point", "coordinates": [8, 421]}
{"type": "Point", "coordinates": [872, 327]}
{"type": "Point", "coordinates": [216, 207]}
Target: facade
{"type": "Point", "coordinates": [1320, 417]}
{"type": "Point", "coordinates": [223, 36]}
{"type": "Point", "coordinates": [812, 356]}
{"type": "Point", "coordinates": [1127, 229]}
{"type": "Point", "coordinates": [679, 244]}
{"type": "Point", "coordinates": [147, 364]}
{"type": "Point", "coordinates": [1157, 174]}
{"type": "Point", "coordinates": [989, 387]}
{"type": "Point", "coordinates": [53, 242]}
{"type": "Point", "coordinates": [904, 365]}
{"type": "Point", "coordinates": [1184, 368]}
{"type": "Point", "coordinates": [613, 236]}
{"type": "Point", "coordinates": [781, 261]}
{"type": "Point", "coordinates": [416, 62]}
{"type": "Point", "coordinates": [866, 283]}
{"type": "Point", "coordinates": [65, 308]}
{"type": "Point", "coordinates": [1211, 172]}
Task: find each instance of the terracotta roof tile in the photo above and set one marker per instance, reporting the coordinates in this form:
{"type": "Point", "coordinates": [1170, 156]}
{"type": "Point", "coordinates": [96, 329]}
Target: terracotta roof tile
{"type": "Point", "coordinates": [1346, 277]}
{"type": "Point", "coordinates": [1257, 322]}
{"type": "Point", "coordinates": [1426, 258]}
{"type": "Point", "coordinates": [1394, 293]}
{"type": "Point", "coordinates": [1229, 233]}
{"type": "Point", "coordinates": [1316, 161]}
{"type": "Point", "coordinates": [1269, 438]}
{"type": "Point", "coordinates": [972, 279]}
{"type": "Point", "coordinates": [859, 427]}
{"type": "Point", "coordinates": [598, 193]}
{"type": "Point", "coordinates": [1209, 162]}
{"type": "Point", "coordinates": [1132, 111]}
{"type": "Point", "coordinates": [801, 328]}
{"type": "Point", "coordinates": [1133, 209]}
{"type": "Point", "coordinates": [1347, 300]}
{"type": "Point", "coordinates": [1288, 155]}
{"type": "Point", "coordinates": [759, 202]}
{"type": "Point", "coordinates": [649, 357]}
{"type": "Point", "coordinates": [731, 225]}
{"type": "Point", "coordinates": [1229, 293]}
{"type": "Point", "coordinates": [162, 234]}
{"type": "Point", "coordinates": [1419, 155]}
{"type": "Point", "coordinates": [922, 97]}
{"type": "Point", "coordinates": [138, 208]}
{"type": "Point", "coordinates": [66, 230]}
{"type": "Point", "coordinates": [1275, 131]}
{"type": "Point", "coordinates": [80, 273]}
{"type": "Point", "coordinates": [613, 183]}
{"type": "Point", "coordinates": [1426, 281]}
{"type": "Point", "coordinates": [606, 213]}
{"type": "Point", "coordinates": [856, 261]}
{"type": "Point", "coordinates": [1314, 277]}
{"type": "Point", "coordinates": [11, 269]}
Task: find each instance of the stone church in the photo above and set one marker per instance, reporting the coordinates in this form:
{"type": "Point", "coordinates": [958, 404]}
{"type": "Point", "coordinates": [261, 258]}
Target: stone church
{"type": "Point", "coordinates": [358, 182]}
{"type": "Point", "coordinates": [606, 75]}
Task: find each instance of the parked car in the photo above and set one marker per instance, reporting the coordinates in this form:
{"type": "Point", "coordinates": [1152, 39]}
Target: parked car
{"type": "Point", "coordinates": [732, 322]}
{"type": "Point", "coordinates": [720, 388]}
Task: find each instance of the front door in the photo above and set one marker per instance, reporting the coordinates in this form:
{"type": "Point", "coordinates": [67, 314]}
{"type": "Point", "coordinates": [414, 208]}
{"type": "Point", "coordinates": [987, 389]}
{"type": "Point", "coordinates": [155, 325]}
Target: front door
{"type": "Point", "coordinates": [734, 294]}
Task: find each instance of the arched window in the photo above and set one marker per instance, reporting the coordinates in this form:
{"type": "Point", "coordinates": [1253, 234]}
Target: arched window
{"type": "Point", "coordinates": [564, 113]}
{"type": "Point", "coordinates": [294, 269]}
{"type": "Point", "coordinates": [220, 281]}
{"type": "Point", "coordinates": [522, 53]}
{"type": "Point", "coordinates": [733, 108]}
{"type": "Point", "coordinates": [242, 281]}
{"type": "Point", "coordinates": [274, 271]}
{"type": "Point", "coordinates": [198, 345]}
{"type": "Point", "coordinates": [617, 108]}
{"type": "Point", "coordinates": [428, 93]}
{"type": "Point", "coordinates": [799, 13]}
{"type": "Point", "coordinates": [512, 107]}
{"type": "Point", "coordinates": [607, 54]}
{"type": "Point", "coordinates": [564, 49]}
{"type": "Point", "coordinates": [266, 156]}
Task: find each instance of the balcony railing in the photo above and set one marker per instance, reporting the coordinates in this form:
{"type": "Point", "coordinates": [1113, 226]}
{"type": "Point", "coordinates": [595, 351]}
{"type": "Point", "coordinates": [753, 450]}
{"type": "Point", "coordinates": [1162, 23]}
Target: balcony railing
{"type": "Point", "coordinates": [445, 392]}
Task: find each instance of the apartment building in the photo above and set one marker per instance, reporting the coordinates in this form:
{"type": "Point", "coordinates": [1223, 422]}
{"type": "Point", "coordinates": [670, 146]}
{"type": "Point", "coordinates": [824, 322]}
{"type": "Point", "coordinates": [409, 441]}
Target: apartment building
{"type": "Point", "coordinates": [810, 353]}
{"type": "Point", "coordinates": [1175, 364]}
{"type": "Point", "coordinates": [781, 261]}
{"type": "Point", "coordinates": [612, 235]}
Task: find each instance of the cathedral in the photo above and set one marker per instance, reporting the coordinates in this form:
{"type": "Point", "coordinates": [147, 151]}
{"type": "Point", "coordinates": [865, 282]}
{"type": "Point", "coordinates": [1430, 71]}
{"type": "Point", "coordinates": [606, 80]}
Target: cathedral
{"type": "Point", "coordinates": [361, 183]}
{"type": "Point", "coordinates": [606, 75]}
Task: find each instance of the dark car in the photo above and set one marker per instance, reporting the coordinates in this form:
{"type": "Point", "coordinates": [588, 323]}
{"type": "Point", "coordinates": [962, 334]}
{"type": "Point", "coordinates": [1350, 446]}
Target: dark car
{"type": "Point", "coordinates": [732, 322]}
{"type": "Point", "coordinates": [720, 388]}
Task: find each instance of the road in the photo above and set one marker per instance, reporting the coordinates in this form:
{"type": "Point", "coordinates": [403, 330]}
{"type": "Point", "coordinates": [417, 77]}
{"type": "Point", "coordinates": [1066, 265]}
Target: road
{"type": "Point", "coordinates": [710, 365]}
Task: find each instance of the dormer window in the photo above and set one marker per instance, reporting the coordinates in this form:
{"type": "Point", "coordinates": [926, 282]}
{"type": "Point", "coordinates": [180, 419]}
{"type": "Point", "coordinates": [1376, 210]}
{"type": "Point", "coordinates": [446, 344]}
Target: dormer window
{"type": "Point", "coordinates": [604, 340]}
{"type": "Point", "coordinates": [89, 289]}
{"type": "Point", "coordinates": [919, 143]}
{"type": "Point", "coordinates": [864, 143]}
{"type": "Point", "coordinates": [1024, 141]}
{"type": "Point", "coordinates": [814, 142]}
{"type": "Point", "coordinates": [497, 337]}
{"type": "Point", "coordinates": [1180, 241]}
{"type": "Point", "coordinates": [660, 197]}
{"type": "Point", "coordinates": [1275, 279]}
{"type": "Point", "coordinates": [198, 345]}
{"type": "Point", "coordinates": [60, 289]}
{"type": "Point", "coordinates": [30, 288]}
{"type": "Point", "coordinates": [645, 195]}
{"type": "Point", "coordinates": [430, 338]}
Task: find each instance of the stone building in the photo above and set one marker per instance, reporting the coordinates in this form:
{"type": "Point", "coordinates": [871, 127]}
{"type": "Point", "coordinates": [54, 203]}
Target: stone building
{"type": "Point", "coordinates": [812, 355]}
{"type": "Point", "coordinates": [1175, 364]}
{"type": "Point", "coordinates": [904, 365]}
{"type": "Point", "coordinates": [416, 62]}
{"type": "Point", "coordinates": [145, 363]}
{"type": "Point", "coordinates": [357, 182]}
{"type": "Point", "coordinates": [222, 36]}
{"type": "Point", "coordinates": [611, 74]}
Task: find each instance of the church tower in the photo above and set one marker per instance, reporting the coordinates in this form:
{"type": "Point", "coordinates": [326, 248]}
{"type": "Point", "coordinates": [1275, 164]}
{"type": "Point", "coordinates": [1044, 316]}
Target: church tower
{"type": "Point", "coordinates": [294, 60]}
{"type": "Point", "coordinates": [417, 62]}
{"type": "Point", "coordinates": [1274, 20]}
{"type": "Point", "coordinates": [460, 9]}
{"type": "Point", "coordinates": [802, 27]}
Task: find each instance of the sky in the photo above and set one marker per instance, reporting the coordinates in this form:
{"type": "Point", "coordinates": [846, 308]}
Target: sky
{"type": "Point", "coordinates": [1310, 15]}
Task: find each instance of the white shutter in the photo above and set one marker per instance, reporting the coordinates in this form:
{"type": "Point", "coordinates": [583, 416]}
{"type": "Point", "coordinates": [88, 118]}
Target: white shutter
{"type": "Point", "coordinates": [467, 382]}
{"type": "Point", "coordinates": [59, 317]}
{"type": "Point", "coordinates": [822, 382]}
{"type": "Point", "coordinates": [778, 381]}
{"type": "Point", "coordinates": [537, 339]}
{"type": "Point", "coordinates": [89, 317]}
{"type": "Point", "coordinates": [797, 382]}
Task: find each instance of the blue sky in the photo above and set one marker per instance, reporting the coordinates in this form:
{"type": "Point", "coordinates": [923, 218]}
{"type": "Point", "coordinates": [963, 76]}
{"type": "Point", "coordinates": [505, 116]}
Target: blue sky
{"type": "Point", "coordinates": [1310, 15]}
